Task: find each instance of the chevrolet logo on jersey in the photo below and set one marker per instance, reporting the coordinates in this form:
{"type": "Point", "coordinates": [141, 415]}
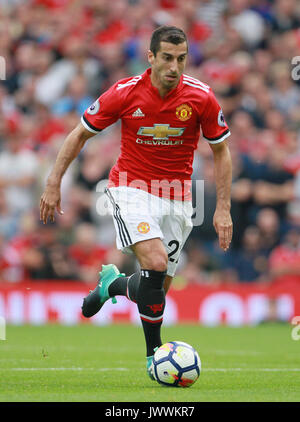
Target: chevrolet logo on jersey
{"type": "Point", "coordinates": [161, 131]}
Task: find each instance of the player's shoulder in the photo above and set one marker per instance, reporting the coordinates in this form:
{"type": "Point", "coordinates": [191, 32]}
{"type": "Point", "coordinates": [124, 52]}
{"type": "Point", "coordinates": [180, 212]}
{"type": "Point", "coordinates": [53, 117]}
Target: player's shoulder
{"type": "Point", "coordinates": [195, 85]}
{"type": "Point", "coordinates": [128, 84]}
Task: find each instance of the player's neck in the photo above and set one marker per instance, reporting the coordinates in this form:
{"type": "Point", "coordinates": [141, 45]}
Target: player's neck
{"type": "Point", "coordinates": [163, 91]}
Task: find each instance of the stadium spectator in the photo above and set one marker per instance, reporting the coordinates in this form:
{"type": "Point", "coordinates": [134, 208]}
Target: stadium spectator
{"type": "Point", "coordinates": [86, 253]}
{"type": "Point", "coordinates": [285, 92]}
{"type": "Point", "coordinates": [75, 58]}
{"type": "Point", "coordinates": [249, 263]}
{"type": "Point", "coordinates": [284, 17]}
{"type": "Point", "coordinates": [8, 218]}
{"type": "Point", "coordinates": [47, 128]}
{"type": "Point", "coordinates": [46, 258]}
{"type": "Point", "coordinates": [76, 97]}
{"type": "Point", "coordinates": [268, 223]}
{"type": "Point", "coordinates": [18, 173]}
{"type": "Point", "coordinates": [285, 258]}
{"type": "Point", "coordinates": [11, 269]}
{"type": "Point", "coordinates": [247, 22]}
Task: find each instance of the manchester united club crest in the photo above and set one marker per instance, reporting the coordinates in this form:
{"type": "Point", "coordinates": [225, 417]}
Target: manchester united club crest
{"type": "Point", "coordinates": [143, 227]}
{"type": "Point", "coordinates": [184, 112]}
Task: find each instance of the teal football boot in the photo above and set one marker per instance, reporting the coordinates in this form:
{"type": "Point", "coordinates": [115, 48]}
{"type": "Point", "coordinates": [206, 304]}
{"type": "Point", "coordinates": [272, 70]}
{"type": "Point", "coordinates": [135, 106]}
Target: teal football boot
{"type": "Point", "coordinates": [94, 301]}
{"type": "Point", "coordinates": [150, 368]}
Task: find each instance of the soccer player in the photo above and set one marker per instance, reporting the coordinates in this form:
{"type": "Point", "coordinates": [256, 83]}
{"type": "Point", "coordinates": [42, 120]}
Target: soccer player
{"type": "Point", "coordinates": [161, 112]}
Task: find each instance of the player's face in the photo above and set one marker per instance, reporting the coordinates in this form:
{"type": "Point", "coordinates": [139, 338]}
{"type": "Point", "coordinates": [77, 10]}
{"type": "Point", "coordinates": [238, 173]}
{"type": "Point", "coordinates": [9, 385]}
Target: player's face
{"type": "Point", "coordinates": [168, 65]}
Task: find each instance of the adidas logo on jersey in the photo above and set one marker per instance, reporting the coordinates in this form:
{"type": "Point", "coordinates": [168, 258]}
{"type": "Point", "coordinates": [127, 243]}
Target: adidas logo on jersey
{"type": "Point", "coordinates": [138, 113]}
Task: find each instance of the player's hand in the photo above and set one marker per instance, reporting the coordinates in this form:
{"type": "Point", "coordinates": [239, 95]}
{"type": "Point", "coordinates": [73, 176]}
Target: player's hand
{"type": "Point", "coordinates": [50, 201]}
{"type": "Point", "coordinates": [223, 226]}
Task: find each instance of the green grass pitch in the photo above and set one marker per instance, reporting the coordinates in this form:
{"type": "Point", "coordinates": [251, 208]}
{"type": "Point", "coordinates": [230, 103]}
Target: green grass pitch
{"type": "Point", "coordinates": [107, 364]}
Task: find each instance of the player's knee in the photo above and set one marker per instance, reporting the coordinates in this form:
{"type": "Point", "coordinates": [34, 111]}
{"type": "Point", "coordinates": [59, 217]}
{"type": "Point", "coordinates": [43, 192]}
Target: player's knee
{"type": "Point", "coordinates": [156, 262]}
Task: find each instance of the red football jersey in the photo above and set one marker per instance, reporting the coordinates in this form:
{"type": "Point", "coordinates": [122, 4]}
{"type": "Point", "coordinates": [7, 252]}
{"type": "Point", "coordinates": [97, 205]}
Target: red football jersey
{"type": "Point", "coordinates": [159, 135]}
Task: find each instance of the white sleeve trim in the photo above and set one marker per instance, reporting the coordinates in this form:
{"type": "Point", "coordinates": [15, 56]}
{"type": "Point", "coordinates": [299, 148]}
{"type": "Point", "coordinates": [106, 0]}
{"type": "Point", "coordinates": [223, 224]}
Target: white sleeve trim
{"type": "Point", "coordinates": [218, 140]}
{"type": "Point", "coordinates": [88, 127]}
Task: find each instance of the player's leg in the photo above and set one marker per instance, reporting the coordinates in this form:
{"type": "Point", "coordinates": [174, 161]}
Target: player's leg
{"type": "Point", "coordinates": [175, 226]}
{"type": "Point", "coordinates": [175, 229]}
{"type": "Point", "coordinates": [167, 283]}
{"type": "Point", "coordinates": [147, 290]}
{"type": "Point", "coordinates": [153, 260]}
{"type": "Point", "coordinates": [128, 286]}
{"type": "Point", "coordinates": [115, 284]}
{"type": "Point", "coordinates": [121, 285]}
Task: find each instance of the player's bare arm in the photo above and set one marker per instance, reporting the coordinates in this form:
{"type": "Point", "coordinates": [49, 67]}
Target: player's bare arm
{"type": "Point", "coordinates": [223, 176]}
{"type": "Point", "coordinates": [51, 198]}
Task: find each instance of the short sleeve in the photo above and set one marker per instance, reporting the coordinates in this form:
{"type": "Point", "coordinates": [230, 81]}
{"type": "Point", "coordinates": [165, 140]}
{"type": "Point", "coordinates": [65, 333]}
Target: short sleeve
{"type": "Point", "coordinates": [213, 124]}
{"type": "Point", "coordinates": [103, 112]}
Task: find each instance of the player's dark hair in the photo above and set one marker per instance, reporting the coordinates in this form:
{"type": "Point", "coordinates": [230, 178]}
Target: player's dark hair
{"type": "Point", "coordinates": [168, 34]}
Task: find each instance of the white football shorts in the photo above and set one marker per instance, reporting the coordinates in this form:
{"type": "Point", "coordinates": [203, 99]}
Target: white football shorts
{"type": "Point", "coordinates": [139, 215]}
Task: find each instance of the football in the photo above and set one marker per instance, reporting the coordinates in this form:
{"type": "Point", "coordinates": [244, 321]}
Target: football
{"type": "Point", "coordinates": [176, 364]}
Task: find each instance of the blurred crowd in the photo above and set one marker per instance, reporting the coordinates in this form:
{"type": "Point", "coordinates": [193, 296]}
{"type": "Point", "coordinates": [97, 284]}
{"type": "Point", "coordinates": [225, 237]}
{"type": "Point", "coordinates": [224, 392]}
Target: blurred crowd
{"type": "Point", "coordinates": [60, 55]}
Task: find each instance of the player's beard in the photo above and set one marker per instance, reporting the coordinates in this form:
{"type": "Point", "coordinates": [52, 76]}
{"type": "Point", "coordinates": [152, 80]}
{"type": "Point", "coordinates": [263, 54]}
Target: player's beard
{"type": "Point", "coordinates": [169, 83]}
{"type": "Point", "coordinates": [161, 78]}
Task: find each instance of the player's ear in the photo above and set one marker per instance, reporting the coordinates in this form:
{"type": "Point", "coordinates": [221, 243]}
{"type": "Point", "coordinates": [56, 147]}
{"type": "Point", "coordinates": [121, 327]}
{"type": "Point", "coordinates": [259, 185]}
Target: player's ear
{"type": "Point", "coordinates": [150, 57]}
